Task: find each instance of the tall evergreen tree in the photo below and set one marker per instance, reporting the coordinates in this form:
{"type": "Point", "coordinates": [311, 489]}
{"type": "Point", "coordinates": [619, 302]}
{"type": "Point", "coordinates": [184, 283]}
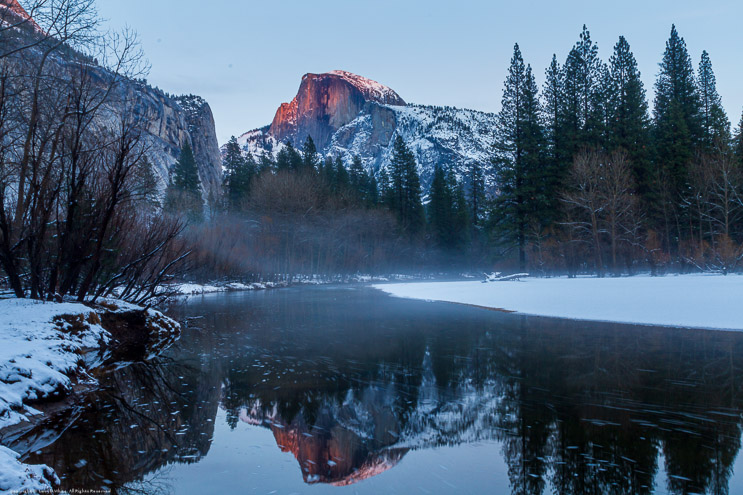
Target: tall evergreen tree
{"type": "Point", "coordinates": [678, 121]}
{"type": "Point", "coordinates": [518, 158]}
{"type": "Point", "coordinates": [557, 159]}
{"type": "Point", "coordinates": [363, 182]}
{"type": "Point", "coordinates": [239, 172]}
{"type": "Point", "coordinates": [582, 82]}
{"type": "Point", "coordinates": [266, 163]}
{"type": "Point", "coordinates": [288, 158]}
{"type": "Point", "coordinates": [440, 207]}
{"type": "Point", "coordinates": [678, 137]}
{"type": "Point", "coordinates": [447, 211]}
{"type": "Point", "coordinates": [404, 197]}
{"type": "Point", "coordinates": [383, 187]}
{"type": "Point", "coordinates": [282, 159]}
{"type": "Point", "coordinates": [342, 179]}
{"type": "Point", "coordinates": [629, 121]}
{"type": "Point", "coordinates": [310, 157]}
{"type": "Point", "coordinates": [233, 156]}
{"type": "Point", "coordinates": [371, 191]}
{"type": "Point", "coordinates": [327, 173]}
{"type": "Point", "coordinates": [477, 191]}
{"type": "Point", "coordinates": [357, 177]}
{"type": "Point", "coordinates": [715, 123]}
{"type": "Point", "coordinates": [461, 224]}
{"type": "Point", "coordinates": [183, 194]}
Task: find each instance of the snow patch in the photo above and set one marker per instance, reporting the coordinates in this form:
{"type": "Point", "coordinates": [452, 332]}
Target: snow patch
{"type": "Point", "coordinates": [40, 345]}
{"type": "Point", "coordinates": [690, 301]}
{"type": "Point", "coordinates": [17, 477]}
{"type": "Point", "coordinates": [372, 90]}
{"type": "Point", "coordinates": [189, 289]}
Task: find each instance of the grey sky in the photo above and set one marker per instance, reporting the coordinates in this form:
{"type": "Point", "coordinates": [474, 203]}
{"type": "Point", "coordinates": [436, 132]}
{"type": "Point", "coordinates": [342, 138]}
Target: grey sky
{"type": "Point", "coordinates": [247, 57]}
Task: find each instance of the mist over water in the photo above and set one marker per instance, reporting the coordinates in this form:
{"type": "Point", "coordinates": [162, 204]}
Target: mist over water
{"type": "Point", "coordinates": [313, 390]}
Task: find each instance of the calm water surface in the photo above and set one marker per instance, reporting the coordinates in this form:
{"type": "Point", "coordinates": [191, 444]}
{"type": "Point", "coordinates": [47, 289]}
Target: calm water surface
{"type": "Point", "coordinates": [347, 390]}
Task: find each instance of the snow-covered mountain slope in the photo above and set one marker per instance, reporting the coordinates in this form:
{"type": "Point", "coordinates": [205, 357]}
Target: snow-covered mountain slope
{"type": "Point", "coordinates": [350, 115]}
{"type": "Point", "coordinates": [446, 136]}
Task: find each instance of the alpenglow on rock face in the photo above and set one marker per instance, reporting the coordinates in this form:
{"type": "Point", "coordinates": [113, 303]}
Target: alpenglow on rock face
{"type": "Point", "coordinates": [325, 103]}
{"type": "Point", "coordinates": [349, 115]}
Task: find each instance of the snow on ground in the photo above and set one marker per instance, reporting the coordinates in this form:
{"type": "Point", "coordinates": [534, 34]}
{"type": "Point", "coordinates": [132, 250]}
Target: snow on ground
{"type": "Point", "coordinates": [188, 289]}
{"type": "Point", "coordinates": [694, 301]}
{"type": "Point", "coordinates": [21, 478]}
{"type": "Point", "coordinates": [38, 353]}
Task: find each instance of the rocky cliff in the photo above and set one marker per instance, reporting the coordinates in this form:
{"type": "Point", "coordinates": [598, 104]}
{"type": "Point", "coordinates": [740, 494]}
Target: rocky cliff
{"type": "Point", "coordinates": [325, 103]}
{"type": "Point", "coordinates": [172, 121]}
{"type": "Point", "coordinates": [349, 115]}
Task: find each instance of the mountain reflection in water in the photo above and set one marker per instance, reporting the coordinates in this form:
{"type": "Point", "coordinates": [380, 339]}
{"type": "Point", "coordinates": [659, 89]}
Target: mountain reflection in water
{"type": "Point", "coordinates": [351, 381]}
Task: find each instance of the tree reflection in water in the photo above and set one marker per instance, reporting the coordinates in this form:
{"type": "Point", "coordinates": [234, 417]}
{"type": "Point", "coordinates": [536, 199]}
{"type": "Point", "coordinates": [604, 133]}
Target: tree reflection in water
{"type": "Point", "coordinates": [350, 381]}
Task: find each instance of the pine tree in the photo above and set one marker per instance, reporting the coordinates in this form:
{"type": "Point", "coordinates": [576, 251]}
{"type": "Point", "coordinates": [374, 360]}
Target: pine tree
{"type": "Point", "coordinates": [461, 224]}
{"type": "Point", "coordinates": [678, 122]}
{"type": "Point", "coordinates": [404, 197]}
{"type": "Point", "coordinates": [327, 173]}
{"type": "Point", "coordinates": [371, 196]}
{"type": "Point", "coordinates": [239, 172]}
{"type": "Point", "coordinates": [440, 208]}
{"type": "Point", "coordinates": [557, 159]}
{"type": "Point", "coordinates": [266, 163]}
{"type": "Point", "coordinates": [184, 191]}
{"type": "Point", "coordinates": [363, 183]}
{"type": "Point", "coordinates": [310, 158]}
{"type": "Point", "coordinates": [233, 156]}
{"type": "Point", "coordinates": [288, 158]}
{"type": "Point", "coordinates": [715, 123]}
{"type": "Point", "coordinates": [383, 187]}
{"type": "Point", "coordinates": [477, 191]}
{"type": "Point", "coordinates": [518, 158]}
{"type": "Point", "coordinates": [629, 122]}
{"type": "Point", "coordinates": [357, 178]}
{"type": "Point", "coordinates": [448, 211]}
{"type": "Point", "coordinates": [342, 180]}
{"type": "Point", "coordinates": [295, 158]}
{"type": "Point", "coordinates": [283, 158]}
{"type": "Point", "coordinates": [232, 161]}
{"type": "Point", "coordinates": [583, 74]}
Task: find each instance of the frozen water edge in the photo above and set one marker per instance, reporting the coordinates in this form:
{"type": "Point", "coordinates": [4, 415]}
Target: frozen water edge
{"type": "Point", "coordinates": [689, 301]}
{"type": "Point", "coordinates": [41, 353]}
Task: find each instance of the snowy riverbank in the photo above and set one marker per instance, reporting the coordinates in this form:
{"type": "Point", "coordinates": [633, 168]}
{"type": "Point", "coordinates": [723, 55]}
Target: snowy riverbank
{"type": "Point", "coordinates": [694, 301]}
{"type": "Point", "coordinates": [43, 349]}
{"type": "Point", "coordinates": [192, 289]}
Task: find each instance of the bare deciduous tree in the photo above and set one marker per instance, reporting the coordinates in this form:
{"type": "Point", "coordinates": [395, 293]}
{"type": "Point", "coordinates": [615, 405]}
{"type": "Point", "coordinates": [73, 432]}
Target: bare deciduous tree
{"type": "Point", "coordinates": [603, 205]}
{"type": "Point", "coordinates": [72, 160]}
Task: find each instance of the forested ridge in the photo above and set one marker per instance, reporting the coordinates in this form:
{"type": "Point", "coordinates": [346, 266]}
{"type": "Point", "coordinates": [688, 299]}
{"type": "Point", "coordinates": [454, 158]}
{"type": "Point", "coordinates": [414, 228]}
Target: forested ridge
{"type": "Point", "coordinates": [591, 181]}
{"type": "Point", "coordinates": [585, 176]}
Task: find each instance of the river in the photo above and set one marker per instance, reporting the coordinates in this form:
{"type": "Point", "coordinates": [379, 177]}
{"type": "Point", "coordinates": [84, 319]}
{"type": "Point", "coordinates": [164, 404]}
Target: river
{"type": "Point", "coordinates": [348, 390]}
